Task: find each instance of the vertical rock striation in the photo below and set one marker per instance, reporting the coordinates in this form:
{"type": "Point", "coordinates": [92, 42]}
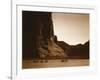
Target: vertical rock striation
{"type": "Point", "coordinates": [45, 44]}
{"type": "Point", "coordinates": [43, 39]}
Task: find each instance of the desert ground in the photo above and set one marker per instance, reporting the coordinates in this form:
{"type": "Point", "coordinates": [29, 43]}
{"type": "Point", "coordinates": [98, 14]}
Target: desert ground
{"type": "Point", "coordinates": [27, 64]}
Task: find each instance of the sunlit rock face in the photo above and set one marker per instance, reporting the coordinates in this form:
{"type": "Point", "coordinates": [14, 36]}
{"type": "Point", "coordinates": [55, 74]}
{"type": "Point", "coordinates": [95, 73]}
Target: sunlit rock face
{"type": "Point", "coordinates": [43, 41]}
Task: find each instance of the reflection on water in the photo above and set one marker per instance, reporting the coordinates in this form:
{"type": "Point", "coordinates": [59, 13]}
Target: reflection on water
{"type": "Point", "coordinates": [54, 63]}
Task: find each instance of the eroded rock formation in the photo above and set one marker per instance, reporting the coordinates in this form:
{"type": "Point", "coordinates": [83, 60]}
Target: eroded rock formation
{"type": "Point", "coordinates": [38, 32]}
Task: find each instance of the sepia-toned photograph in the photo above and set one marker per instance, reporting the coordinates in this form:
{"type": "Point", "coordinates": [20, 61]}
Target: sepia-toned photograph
{"type": "Point", "coordinates": [55, 39]}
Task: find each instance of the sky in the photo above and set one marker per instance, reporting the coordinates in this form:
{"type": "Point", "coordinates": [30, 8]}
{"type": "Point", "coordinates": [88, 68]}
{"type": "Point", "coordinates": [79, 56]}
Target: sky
{"type": "Point", "coordinates": [73, 28]}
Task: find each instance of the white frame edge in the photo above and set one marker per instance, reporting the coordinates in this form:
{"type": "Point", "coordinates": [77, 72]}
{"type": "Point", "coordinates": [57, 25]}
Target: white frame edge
{"type": "Point", "coordinates": [15, 68]}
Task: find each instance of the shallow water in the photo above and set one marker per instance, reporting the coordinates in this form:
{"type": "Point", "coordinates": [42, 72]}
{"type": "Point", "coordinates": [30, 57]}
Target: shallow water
{"type": "Point", "coordinates": [54, 63]}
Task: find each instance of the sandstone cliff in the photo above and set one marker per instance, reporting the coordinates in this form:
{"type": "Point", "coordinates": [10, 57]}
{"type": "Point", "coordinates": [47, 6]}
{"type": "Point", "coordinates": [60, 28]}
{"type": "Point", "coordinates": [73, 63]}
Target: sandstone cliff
{"type": "Point", "coordinates": [38, 36]}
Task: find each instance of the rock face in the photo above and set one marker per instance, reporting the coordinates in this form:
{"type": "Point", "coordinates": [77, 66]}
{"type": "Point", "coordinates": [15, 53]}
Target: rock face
{"type": "Point", "coordinates": [39, 40]}
{"type": "Point", "coordinates": [79, 51]}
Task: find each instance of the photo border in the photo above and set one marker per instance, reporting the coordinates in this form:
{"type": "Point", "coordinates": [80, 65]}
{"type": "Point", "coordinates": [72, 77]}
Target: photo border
{"type": "Point", "coordinates": [15, 71]}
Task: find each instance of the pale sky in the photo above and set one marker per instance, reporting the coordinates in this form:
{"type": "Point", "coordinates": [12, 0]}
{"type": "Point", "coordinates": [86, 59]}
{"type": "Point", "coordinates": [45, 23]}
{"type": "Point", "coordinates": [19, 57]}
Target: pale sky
{"type": "Point", "coordinates": [71, 27]}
